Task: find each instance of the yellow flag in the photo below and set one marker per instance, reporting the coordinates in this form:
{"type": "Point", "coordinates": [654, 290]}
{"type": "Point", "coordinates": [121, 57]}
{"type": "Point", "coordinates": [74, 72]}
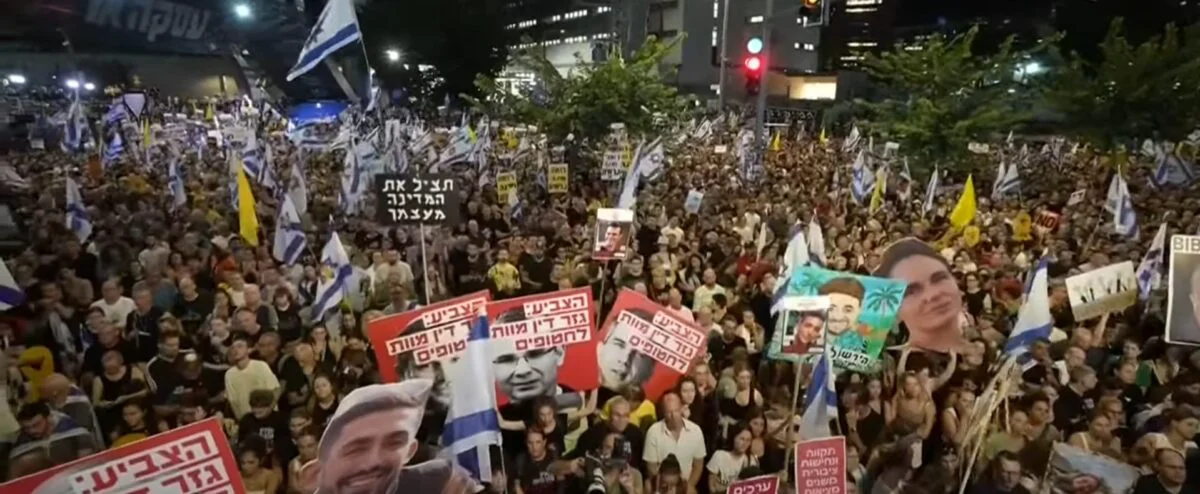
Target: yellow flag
{"type": "Point", "coordinates": [822, 138]}
{"type": "Point", "coordinates": [876, 197]}
{"type": "Point", "coordinates": [775, 142]}
{"type": "Point", "coordinates": [247, 213]}
{"type": "Point", "coordinates": [208, 112]}
{"type": "Point", "coordinates": [471, 134]}
{"type": "Point", "coordinates": [145, 133]}
{"type": "Point", "coordinates": [964, 211]}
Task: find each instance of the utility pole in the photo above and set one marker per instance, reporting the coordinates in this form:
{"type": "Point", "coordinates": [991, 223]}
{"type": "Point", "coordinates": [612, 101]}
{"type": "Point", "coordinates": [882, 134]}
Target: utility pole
{"type": "Point", "coordinates": [724, 59]}
{"type": "Point", "coordinates": [761, 105]}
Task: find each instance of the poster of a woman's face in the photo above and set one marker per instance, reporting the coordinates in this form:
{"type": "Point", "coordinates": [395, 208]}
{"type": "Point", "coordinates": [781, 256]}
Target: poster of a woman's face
{"type": "Point", "coordinates": [933, 302]}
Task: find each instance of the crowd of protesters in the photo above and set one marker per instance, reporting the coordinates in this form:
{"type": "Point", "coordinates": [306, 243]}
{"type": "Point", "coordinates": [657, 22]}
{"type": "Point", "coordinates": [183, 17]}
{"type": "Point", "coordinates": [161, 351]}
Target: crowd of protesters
{"type": "Point", "coordinates": [165, 317]}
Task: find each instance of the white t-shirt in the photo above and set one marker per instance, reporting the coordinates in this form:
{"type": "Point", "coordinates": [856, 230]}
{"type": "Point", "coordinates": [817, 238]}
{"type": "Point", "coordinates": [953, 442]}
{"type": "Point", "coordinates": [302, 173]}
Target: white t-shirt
{"type": "Point", "coordinates": [727, 467]}
{"type": "Point", "coordinates": [687, 448]}
{"type": "Point", "coordinates": [117, 312]}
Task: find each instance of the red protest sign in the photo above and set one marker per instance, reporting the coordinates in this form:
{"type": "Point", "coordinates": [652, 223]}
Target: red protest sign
{"type": "Point", "coordinates": [194, 458]}
{"type": "Point", "coordinates": [766, 484]}
{"type": "Point", "coordinates": [821, 466]}
{"type": "Point", "coordinates": [543, 345]}
{"type": "Point", "coordinates": [419, 343]}
{"type": "Point", "coordinates": [644, 344]}
{"type": "Point", "coordinates": [1047, 221]}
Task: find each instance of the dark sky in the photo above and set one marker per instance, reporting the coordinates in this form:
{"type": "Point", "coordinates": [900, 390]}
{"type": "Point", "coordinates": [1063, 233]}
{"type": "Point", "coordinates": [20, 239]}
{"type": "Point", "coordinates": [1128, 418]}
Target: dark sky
{"type": "Point", "coordinates": [918, 12]}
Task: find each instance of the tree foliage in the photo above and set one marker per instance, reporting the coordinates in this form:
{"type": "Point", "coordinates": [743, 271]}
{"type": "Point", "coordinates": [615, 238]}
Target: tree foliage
{"type": "Point", "coordinates": [591, 97]}
{"type": "Point", "coordinates": [944, 95]}
{"type": "Point", "coordinates": [1132, 91]}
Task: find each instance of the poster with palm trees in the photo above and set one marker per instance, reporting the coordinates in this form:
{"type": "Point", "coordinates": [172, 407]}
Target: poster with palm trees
{"type": "Point", "coordinates": [862, 311]}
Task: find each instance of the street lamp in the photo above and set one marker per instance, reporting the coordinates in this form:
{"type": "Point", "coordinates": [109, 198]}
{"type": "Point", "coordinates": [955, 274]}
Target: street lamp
{"type": "Point", "coordinates": [87, 86]}
{"type": "Point", "coordinates": [393, 55]}
{"type": "Point", "coordinates": [16, 78]}
{"type": "Point", "coordinates": [72, 84]}
{"type": "Point", "coordinates": [242, 11]}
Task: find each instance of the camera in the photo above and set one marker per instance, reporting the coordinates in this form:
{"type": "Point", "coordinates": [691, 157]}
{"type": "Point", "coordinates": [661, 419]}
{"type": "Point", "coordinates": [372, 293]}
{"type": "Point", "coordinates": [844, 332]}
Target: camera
{"type": "Point", "coordinates": [597, 467]}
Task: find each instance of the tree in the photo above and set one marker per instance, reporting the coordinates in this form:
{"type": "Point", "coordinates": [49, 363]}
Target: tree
{"type": "Point", "coordinates": [942, 96]}
{"type": "Point", "coordinates": [1132, 91]}
{"type": "Point", "coordinates": [591, 97]}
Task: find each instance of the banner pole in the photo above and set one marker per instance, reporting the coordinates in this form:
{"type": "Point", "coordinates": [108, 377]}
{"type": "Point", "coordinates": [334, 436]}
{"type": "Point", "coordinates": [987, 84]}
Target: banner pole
{"type": "Point", "coordinates": [425, 265]}
{"type": "Point", "coordinates": [791, 441]}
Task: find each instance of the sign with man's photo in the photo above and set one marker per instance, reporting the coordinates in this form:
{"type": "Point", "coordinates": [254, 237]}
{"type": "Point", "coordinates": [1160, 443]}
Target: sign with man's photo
{"type": "Point", "coordinates": [644, 344]}
{"type": "Point", "coordinates": [1109, 289]}
{"type": "Point", "coordinates": [544, 345]}
{"type": "Point", "coordinates": [613, 228]}
{"type": "Point", "coordinates": [1183, 292]}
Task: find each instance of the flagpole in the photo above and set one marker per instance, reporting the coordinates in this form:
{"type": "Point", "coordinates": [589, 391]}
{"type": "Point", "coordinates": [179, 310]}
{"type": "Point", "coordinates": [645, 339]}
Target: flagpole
{"type": "Point", "coordinates": [362, 43]}
{"type": "Point", "coordinates": [425, 265]}
{"type": "Point", "coordinates": [791, 446]}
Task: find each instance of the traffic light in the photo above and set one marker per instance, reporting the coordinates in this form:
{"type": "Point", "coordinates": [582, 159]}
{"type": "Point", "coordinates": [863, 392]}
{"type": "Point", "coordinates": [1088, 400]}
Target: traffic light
{"type": "Point", "coordinates": [753, 65]}
{"type": "Point", "coordinates": [812, 4]}
{"type": "Point", "coordinates": [812, 12]}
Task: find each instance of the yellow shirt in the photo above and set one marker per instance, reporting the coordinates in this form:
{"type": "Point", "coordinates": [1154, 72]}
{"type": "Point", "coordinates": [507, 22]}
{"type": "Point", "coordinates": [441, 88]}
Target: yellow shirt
{"type": "Point", "coordinates": [505, 276]}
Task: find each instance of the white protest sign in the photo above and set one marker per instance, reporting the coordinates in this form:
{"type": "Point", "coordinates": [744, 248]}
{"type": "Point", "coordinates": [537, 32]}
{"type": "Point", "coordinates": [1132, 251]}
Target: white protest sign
{"type": "Point", "coordinates": [721, 149]}
{"type": "Point", "coordinates": [694, 199]}
{"type": "Point", "coordinates": [613, 168]}
{"type": "Point", "coordinates": [1077, 197]}
{"type": "Point", "coordinates": [1100, 291]}
{"type": "Point", "coordinates": [977, 147]}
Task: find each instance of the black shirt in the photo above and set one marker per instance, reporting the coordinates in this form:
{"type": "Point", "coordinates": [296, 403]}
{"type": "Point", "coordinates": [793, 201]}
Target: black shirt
{"type": "Point", "coordinates": [538, 271]}
{"type": "Point", "coordinates": [142, 330]}
{"type": "Point", "coordinates": [193, 313]}
{"type": "Point", "coordinates": [590, 441]}
{"type": "Point", "coordinates": [720, 350]}
{"type": "Point", "coordinates": [1071, 411]}
{"type": "Point", "coordinates": [273, 429]}
{"type": "Point", "coordinates": [534, 476]}
{"type": "Point", "coordinates": [93, 355]}
{"type": "Point", "coordinates": [165, 378]}
{"type": "Point", "coordinates": [1150, 484]}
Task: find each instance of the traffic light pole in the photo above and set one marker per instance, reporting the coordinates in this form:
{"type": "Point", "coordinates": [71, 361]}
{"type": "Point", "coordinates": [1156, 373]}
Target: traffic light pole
{"type": "Point", "coordinates": [761, 105]}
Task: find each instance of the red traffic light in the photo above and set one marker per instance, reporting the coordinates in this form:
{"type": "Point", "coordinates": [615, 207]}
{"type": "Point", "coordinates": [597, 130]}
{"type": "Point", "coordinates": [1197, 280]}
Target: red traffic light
{"type": "Point", "coordinates": [753, 64]}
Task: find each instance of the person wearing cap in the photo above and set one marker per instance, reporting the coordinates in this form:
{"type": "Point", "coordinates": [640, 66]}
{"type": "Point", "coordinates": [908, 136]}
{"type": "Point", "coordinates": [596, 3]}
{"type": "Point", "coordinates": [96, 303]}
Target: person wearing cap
{"type": "Point", "coordinates": [370, 440]}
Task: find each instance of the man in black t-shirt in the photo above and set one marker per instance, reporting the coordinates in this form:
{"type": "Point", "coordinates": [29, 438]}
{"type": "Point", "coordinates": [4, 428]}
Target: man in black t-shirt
{"type": "Point", "coordinates": [593, 438]}
{"type": "Point", "coordinates": [269, 424]}
{"type": "Point", "coordinates": [535, 267]}
{"type": "Point", "coordinates": [721, 348]}
{"type": "Point", "coordinates": [470, 272]}
{"type": "Point", "coordinates": [1074, 403]}
{"type": "Point", "coordinates": [533, 466]}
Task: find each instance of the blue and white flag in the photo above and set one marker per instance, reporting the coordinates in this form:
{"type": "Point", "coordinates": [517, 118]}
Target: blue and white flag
{"type": "Point", "coordinates": [864, 179]}
{"type": "Point", "coordinates": [820, 401]}
{"type": "Point", "coordinates": [114, 149]}
{"type": "Point", "coordinates": [796, 254]}
{"type": "Point", "coordinates": [11, 294]}
{"type": "Point", "coordinates": [289, 234]}
{"type": "Point", "coordinates": [930, 193]}
{"type": "Point", "coordinates": [472, 424]}
{"type": "Point", "coordinates": [1033, 318]}
{"type": "Point", "coordinates": [175, 184]}
{"type": "Point", "coordinates": [77, 213]}
{"type": "Point", "coordinates": [1170, 169]}
{"type": "Point", "coordinates": [628, 197]}
{"type": "Point", "coordinates": [353, 184]}
{"type": "Point", "coordinates": [1124, 218]}
{"type": "Point", "coordinates": [1008, 180]}
{"type": "Point", "coordinates": [1149, 271]}
{"type": "Point", "coordinates": [337, 27]}
{"type": "Point", "coordinates": [298, 189]}
{"type": "Point", "coordinates": [816, 242]}
{"type": "Point", "coordinates": [852, 140]}
{"type": "Point", "coordinates": [334, 285]}
{"type": "Point", "coordinates": [650, 164]}
{"type": "Point", "coordinates": [75, 128]}
{"type": "Point", "coordinates": [116, 112]}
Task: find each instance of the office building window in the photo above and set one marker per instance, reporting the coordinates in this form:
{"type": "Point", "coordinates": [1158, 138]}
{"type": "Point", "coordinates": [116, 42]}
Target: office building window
{"type": "Point", "coordinates": [755, 19]}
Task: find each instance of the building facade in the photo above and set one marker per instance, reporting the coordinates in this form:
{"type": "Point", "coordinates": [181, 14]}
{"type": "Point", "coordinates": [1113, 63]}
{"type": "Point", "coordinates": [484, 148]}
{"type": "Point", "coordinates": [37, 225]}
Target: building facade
{"type": "Point", "coordinates": [856, 28]}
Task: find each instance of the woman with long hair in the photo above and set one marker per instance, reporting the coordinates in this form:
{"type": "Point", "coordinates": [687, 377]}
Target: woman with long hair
{"type": "Point", "coordinates": [745, 396]}
{"type": "Point", "coordinates": [956, 417]}
{"type": "Point", "coordinates": [324, 400]}
{"type": "Point", "coordinates": [912, 405]}
{"type": "Point", "coordinates": [1098, 438]}
{"type": "Point", "coordinates": [726, 463]}
{"type": "Point", "coordinates": [256, 477]}
{"type": "Point", "coordinates": [137, 423]}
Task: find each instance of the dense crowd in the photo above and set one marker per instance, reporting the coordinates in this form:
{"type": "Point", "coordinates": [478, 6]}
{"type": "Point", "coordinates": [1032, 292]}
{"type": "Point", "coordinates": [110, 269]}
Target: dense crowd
{"type": "Point", "coordinates": [164, 316]}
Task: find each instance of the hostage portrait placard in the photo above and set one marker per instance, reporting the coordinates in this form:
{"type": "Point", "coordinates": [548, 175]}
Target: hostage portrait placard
{"type": "Point", "coordinates": [1183, 292]}
{"type": "Point", "coordinates": [420, 343]}
{"type": "Point", "coordinates": [543, 345]}
{"type": "Point", "coordinates": [802, 328]}
{"type": "Point", "coordinates": [613, 228]}
{"type": "Point", "coordinates": [192, 458]}
{"type": "Point", "coordinates": [642, 344]}
{"type": "Point", "coordinates": [861, 312]}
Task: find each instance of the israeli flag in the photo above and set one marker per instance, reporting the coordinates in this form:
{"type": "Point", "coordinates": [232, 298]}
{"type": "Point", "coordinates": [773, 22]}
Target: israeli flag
{"type": "Point", "coordinates": [11, 294]}
{"type": "Point", "coordinates": [472, 424]}
{"type": "Point", "coordinates": [650, 165]}
{"type": "Point", "coordinates": [1112, 198]}
{"type": "Point", "coordinates": [352, 183]}
{"type": "Point", "coordinates": [337, 27]}
{"type": "Point", "coordinates": [816, 242]}
{"type": "Point", "coordinates": [852, 140]}
{"type": "Point", "coordinates": [334, 286]}
{"type": "Point", "coordinates": [628, 197]}
{"type": "Point", "coordinates": [77, 214]}
{"type": "Point", "coordinates": [1149, 271]}
{"type": "Point", "coordinates": [298, 189]}
{"type": "Point", "coordinates": [175, 183]}
{"type": "Point", "coordinates": [1007, 180]}
{"type": "Point", "coordinates": [820, 401]}
{"type": "Point", "coordinates": [1171, 170]}
{"type": "Point", "coordinates": [1033, 318]}
{"type": "Point", "coordinates": [1124, 218]}
{"type": "Point", "coordinates": [930, 193]}
{"type": "Point", "coordinates": [864, 179]}
{"type": "Point", "coordinates": [796, 254]}
{"type": "Point", "coordinates": [114, 149]}
{"type": "Point", "coordinates": [289, 234]}
{"type": "Point", "coordinates": [75, 128]}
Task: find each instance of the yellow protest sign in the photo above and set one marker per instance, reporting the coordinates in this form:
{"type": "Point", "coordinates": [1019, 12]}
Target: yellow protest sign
{"type": "Point", "coordinates": [971, 235]}
{"type": "Point", "coordinates": [506, 186]}
{"type": "Point", "coordinates": [557, 178]}
{"type": "Point", "coordinates": [1022, 227]}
